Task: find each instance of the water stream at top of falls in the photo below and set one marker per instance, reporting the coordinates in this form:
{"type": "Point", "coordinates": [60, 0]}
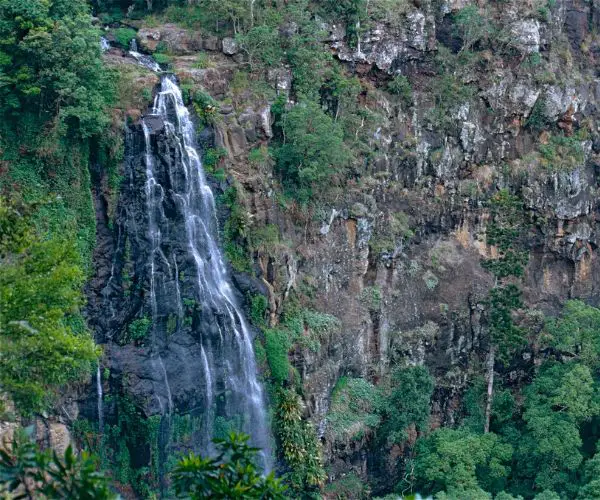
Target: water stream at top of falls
{"type": "Point", "coordinates": [178, 196]}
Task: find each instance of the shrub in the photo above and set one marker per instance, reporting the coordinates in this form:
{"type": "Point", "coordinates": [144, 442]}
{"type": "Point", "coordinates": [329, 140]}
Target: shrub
{"type": "Point", "coordinates": [562, 153]}
{"type": "Point", "coordinates": [162, 59]}
{"type": "Point", "coordinates": [298, 444]}
{"type": "Point", "coordinates": [402, 88]}
{"type": "Point", "coordinates": [407, 403]}
{"type": "Point", "coordinates": [277, 345]}
{"type": "Point", "coordinates": [231, 474]}
{"type": "Point", "coordinates": [138, 329]}
{"type": "Point", "coordinates": [26, 472]}
{"type": "Point", "coordinates": [258, 310]}
{"type": "Point", "coordinates": [355, 404]}
{"type": "Point", "coordinates": [313, 151]}
{"type": "Point", "coordinates": [123, 36]}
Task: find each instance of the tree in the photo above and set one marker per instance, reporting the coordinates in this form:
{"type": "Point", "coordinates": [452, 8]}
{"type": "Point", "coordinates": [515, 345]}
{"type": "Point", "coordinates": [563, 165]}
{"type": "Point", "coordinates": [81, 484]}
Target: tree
{"type": "Point", "coordinates": [575, 333]}
{"type": "Point", "coordinates": [26, 472]}
{"type": "Point", "coordinates": [312, 151]}
{"type": "Point", "coordinates": [470, 26]}
{"type": "Point", "coordinates": [561, 397]}
{"type": "Point", "coordinates": [261, 43]}
{"type": "Point", "coordinates": [50, 64]}
{"type": "Point", "coordinates": [231, 474]}
{"type": "Point", "coordinates": [591, 479]}
{"type": "Point", "coordinates": [505, 232]}
{"type": "Point", "coordinates": [458, 461]}
{"type": "Point", "coordinates": [43, 344]}
{"type": "Point", "coordinates": [407, 403]}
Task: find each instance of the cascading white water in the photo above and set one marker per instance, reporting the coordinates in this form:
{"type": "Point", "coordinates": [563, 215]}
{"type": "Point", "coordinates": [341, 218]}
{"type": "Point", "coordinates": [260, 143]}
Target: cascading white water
{"type": "Point", "coordinates": [143, 59]}
{"type": "Point", "coordinates": [104, 44]}
{"type": "Point", "coordinates": [230, 385]}
{"type": "Point", "coordinates": [100, 401]}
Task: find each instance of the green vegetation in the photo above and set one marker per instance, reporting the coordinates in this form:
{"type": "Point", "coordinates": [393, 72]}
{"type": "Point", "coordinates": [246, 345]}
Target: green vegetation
{"type": "Point", "coordinates": [561, 153]}
{"type": "Point", "coordinates": [406, 403]}
{"type": "Point", "coordinates": [534, 433]}
{"type": "Point", "coordinates": [123, 37]}
{"type": "Point", "coordinates": [537, 437]}
{"type": "Point", "coordinates": [402, 88]}
{"type": "Point", "coordinates": [258, 310]}
{"type": "Point", "coordinates": [370, 297]}
{"type": "Point", "coordinates": [137, 330]}
{"type": "Point", "coordinates": [391, 232]}
{"type": "Point", "coordinates": [51, 65]}
{"type": "Point", "coordinates": [231, 474]}
{"type": "Point", "coordinates": [470, 26]}
{"type": "Point", "coordinates": [297, 441]}
{"type": "Point", "coordinates": [348, 486]}
{"type": "Point", "coordinates": [298, 444]}
{"type": "Point", "coordinates": [43, 339]}
{"type": "Point", "coordinates": [354, 408]}
{"type": "Point", "coordinates": [234, 230]}
{"type": "Point", "coordinates": [312, 152]}
{"type": "Point", "coordinates": [462, 463]}
{"type": "Point", "coordinates": [26, 472]}
{"type": "Point", "coordinates": [132, 430]}
{"type": "Point", "coordinates": [277, 345]}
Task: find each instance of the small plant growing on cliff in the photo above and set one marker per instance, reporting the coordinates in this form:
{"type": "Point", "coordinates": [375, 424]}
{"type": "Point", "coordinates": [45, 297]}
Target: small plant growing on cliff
{"type": "Point", "coordinates": [561, 153]}
{"type": "Point", "coordinates": [258, 309]}
{"type": "Point", "coordinates": [470, 26]}
{"type": "Point", "coordinates": [205, 106]}
{"type": "Point", "coordinates": [371, 298]}
{"type": "Point", "coordinates": [402, 88]}
{"type": "Point", "coordinates": [537, 121]}
{"type": "Point", "coordinates": [354, 410]}
{"type": "Point", "coordinates": [299, 444]}
{"type": "Point", "coordinates": [138, 329]}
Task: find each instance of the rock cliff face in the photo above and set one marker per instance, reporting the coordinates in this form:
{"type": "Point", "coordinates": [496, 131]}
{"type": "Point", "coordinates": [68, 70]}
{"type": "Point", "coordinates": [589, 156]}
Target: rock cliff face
{"type": "Point", "coordinates": [414, 294]}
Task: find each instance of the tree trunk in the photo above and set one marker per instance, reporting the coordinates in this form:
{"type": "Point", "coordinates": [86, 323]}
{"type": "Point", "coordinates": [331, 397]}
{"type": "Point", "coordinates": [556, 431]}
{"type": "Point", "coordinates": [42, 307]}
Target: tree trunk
{"type": "Point", "coordinates": [490, 389]}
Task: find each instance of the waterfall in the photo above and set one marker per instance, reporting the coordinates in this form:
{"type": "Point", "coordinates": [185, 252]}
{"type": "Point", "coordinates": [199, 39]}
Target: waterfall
{"type": "Point", "coordinates": [143, 59]}
{"type": "Point", "coordinates": [180, 201]}
{"type": "Point", "coordinates": [100, 400]}
{"type": "Point", "coordinates": [104, 44]}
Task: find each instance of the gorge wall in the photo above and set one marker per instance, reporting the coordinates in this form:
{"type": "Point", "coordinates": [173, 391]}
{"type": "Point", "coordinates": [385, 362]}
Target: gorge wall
{"type": "Point", "coordinates": [394, 250]}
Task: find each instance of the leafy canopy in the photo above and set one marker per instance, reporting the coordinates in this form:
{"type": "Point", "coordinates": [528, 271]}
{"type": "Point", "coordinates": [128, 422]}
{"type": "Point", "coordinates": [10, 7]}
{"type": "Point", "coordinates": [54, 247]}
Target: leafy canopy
{"type": "Point", "coordinates": [43, 344]}
{"type": "Point", "coordinates": [50, 64]}
{"type": "Point", "coordinates": [231, 474]}
{"type": "Point", "coordinates": [312, 150]}
{"type": "Point", "coordinates": [458, 461]}
{"type": "Point", "coordinates": [26, 472]}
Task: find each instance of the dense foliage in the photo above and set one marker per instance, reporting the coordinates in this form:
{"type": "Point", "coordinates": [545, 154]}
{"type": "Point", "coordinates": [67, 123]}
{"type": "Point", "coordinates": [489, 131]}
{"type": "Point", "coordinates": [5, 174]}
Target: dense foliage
{"type": "Point", "coordinates": [49, 58]}
{"type": "Point", "coordinates": [538, 446]}
{"type": "Point", "coordinates": [43, 339]}
{"type": "Point", "coordinates": [26, 472]}
{"type": "Point", "coordinates": [231, 474]}
{"type": "Point", "coordinates": [535, 437]}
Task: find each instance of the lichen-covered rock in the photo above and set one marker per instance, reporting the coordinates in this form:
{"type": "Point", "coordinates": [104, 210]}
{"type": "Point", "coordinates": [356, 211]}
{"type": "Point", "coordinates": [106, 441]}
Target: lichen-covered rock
{"type": "Point", "coordinates": [229, 46]}
{"type": "Point", "coordinates": [177, 40]}
{"type": "Point", "coordinates": [526, 35]}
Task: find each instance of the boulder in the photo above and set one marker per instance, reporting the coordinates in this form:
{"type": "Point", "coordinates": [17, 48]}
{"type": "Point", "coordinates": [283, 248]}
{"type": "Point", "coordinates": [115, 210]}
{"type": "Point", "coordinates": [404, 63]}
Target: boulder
{"type": "Point", "coordinates": [230, 46]}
